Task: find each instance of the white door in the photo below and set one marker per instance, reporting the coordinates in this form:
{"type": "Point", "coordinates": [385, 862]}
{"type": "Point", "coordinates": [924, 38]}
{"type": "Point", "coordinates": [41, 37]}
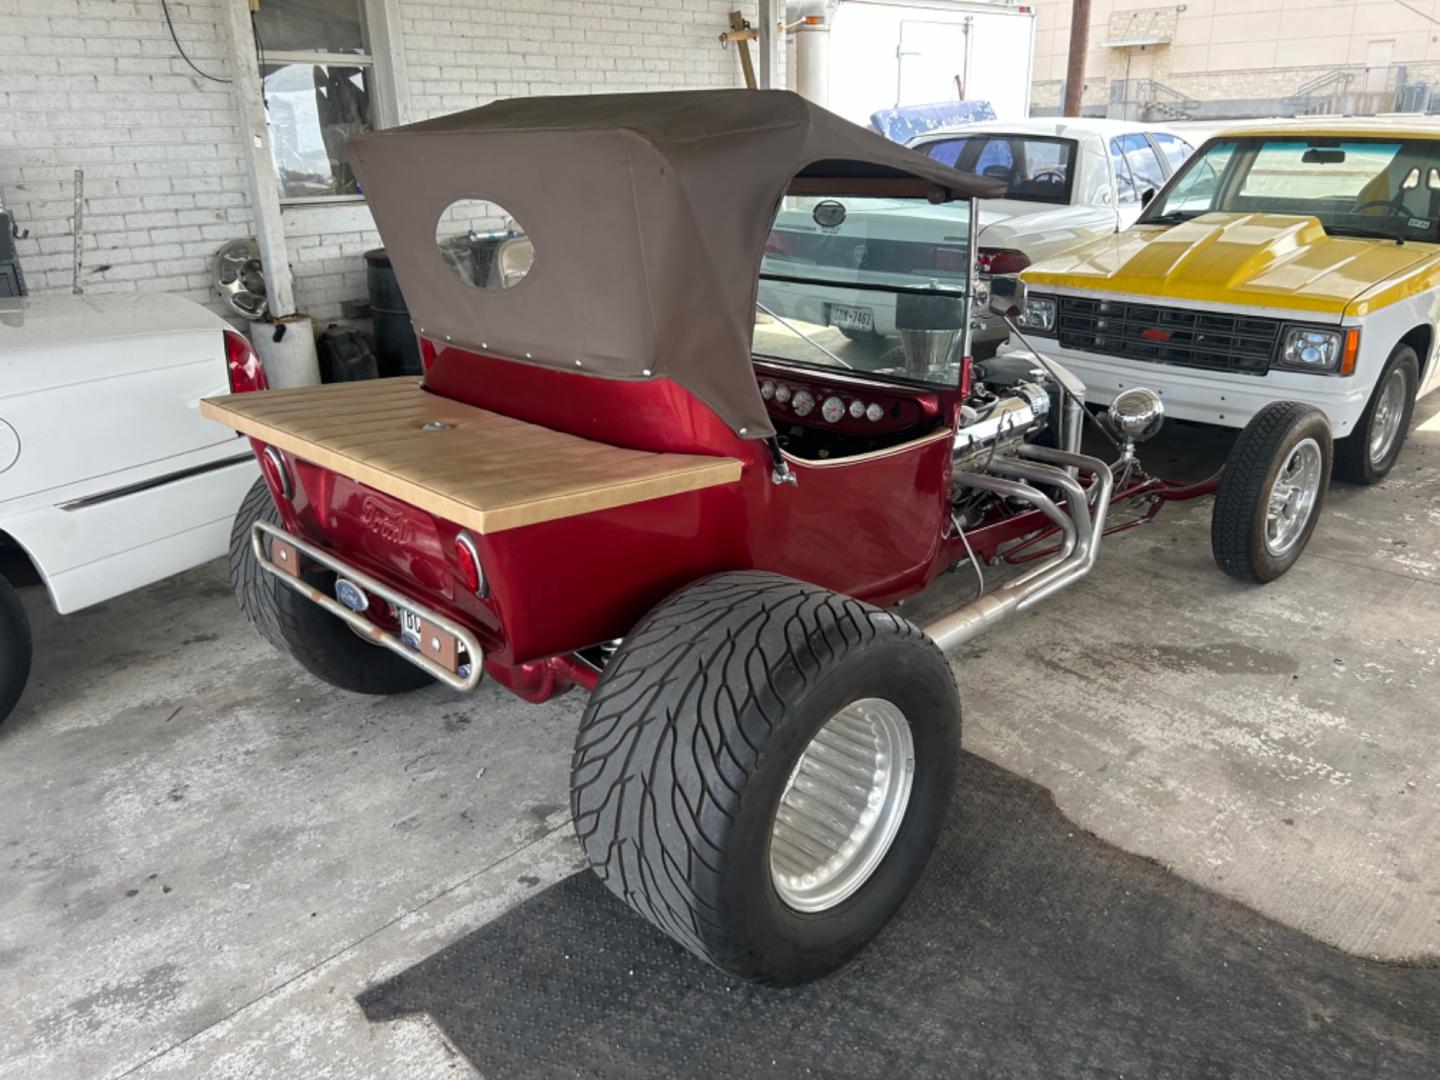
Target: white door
{"type": "Point", "coordinates": [1379, 55]}
{"type": "Point", "coordinates": [934, 62]}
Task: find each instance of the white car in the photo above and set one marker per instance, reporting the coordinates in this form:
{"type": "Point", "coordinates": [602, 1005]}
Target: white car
{"type": "Point", "coordinates": [1070, 181]}
{"type": "Point", "coordinates": [110, 478]}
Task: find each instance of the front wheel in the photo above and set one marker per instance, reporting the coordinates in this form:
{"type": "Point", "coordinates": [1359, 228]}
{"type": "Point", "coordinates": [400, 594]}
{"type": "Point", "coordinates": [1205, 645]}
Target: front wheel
{"type": "Point", "coordinates": [323, 645]}
{"type": "Point", "coordinates": [763, 769]}
{"type": "Point", "coordinates": [1367, 454]}
{"type": "Point", "coordinates": [1271, 492]}
{"type": "Point", "coordinates": [15, 648]}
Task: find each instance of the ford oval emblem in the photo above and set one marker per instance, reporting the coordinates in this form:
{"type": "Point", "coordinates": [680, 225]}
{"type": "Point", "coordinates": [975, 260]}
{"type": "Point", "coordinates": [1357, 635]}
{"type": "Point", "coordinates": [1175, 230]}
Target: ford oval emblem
{"type": "Point", "coordinates": [351, 595]}
{"type": "Point", "coordinates": [828, 214]}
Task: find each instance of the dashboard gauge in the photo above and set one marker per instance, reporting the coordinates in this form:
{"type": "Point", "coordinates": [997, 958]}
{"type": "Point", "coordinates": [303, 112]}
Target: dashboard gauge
{"type": "Point", "coordinates": [767, 389]}
{"type": "Point", "coordinates": [857, 408]}
{"type": "Point", "coordinates": [803, 403]}
{"type": "Point", "coordinates": [782, 393]}
{"type": "Point", "coordinates": [833, 410]}
{"type": "Point", "coordinates": [874, 412]}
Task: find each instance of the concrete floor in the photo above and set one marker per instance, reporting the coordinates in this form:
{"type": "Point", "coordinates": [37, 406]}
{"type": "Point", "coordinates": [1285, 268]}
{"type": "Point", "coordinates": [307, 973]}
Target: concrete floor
{"type": "Point", "coordinates": [206, 854]}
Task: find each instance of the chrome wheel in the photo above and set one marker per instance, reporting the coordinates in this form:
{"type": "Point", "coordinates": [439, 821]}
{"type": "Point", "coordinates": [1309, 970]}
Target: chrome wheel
{"type": "Point", "coordinates": [1389, 411]}
{"type": "Point", "coordinates": [843, 805]}
{"type": "Point", "coordinates": [1293, 497]}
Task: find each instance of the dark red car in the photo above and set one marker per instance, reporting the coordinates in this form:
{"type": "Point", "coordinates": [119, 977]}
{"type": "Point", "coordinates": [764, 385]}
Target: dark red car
{"type": "Point", "coordinates": [617, 474]}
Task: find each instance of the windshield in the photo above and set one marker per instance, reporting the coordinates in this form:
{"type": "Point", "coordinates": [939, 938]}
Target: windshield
{"type": "Point", "coordinates": [1386, 188]}
{"type": "Point", "coordinates": [870, 285]}
{"type": "Point", "coordinates": [1035, 169]}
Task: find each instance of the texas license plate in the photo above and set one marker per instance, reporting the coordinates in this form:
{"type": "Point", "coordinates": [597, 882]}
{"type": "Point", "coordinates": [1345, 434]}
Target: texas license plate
{"type": "Point", "coordinates": [846, 317]}
{"type": "Point", "coordinates": [410, 628]}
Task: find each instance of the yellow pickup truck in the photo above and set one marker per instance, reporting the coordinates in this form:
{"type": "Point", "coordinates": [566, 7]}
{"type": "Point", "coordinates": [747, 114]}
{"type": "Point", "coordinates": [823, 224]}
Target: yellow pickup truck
{"type": "Point", "coordinates": [1297, 262]}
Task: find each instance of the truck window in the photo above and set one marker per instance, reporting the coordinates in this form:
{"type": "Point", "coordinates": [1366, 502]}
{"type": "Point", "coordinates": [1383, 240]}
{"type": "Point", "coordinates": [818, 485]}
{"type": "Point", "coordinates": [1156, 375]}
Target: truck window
{"type": "Point", "coordinates": [1124, 183]}
{"type": "Point", "coordinates": [1145, 165]}
{"type": "Point", "coordinates": [1175, 149]}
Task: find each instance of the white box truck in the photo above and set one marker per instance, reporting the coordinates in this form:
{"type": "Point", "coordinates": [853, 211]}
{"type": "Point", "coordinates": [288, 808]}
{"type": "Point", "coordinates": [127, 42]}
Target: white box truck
{"type": "Point", "coordinates": [857, 57]}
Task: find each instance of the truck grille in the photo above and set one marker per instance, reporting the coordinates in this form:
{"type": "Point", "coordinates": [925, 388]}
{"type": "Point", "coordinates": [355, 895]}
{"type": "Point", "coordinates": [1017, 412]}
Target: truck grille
{"type": "Point", "coordinates": [1167, 335]}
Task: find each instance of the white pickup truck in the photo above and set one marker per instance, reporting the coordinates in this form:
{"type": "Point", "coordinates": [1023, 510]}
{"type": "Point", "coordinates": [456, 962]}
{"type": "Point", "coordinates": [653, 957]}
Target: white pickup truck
{"type": "Point", "coordinates": [110, 478]}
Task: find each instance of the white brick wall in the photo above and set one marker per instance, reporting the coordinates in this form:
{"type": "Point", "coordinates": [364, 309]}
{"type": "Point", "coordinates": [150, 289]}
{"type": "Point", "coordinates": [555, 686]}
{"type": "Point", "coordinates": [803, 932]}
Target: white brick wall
{"type": "Point", "coordinates": [97, 85]}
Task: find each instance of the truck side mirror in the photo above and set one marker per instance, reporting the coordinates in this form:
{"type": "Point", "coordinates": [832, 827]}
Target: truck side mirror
{"type": "Point", "coordinates": [1146, 196]}
{"type": "Point", "coordinates": [1007, 296]}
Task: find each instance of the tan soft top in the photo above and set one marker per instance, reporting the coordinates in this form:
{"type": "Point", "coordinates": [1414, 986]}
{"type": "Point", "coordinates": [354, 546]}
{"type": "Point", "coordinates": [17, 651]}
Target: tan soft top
{"type": "Point", "coordinates": [648, 214]}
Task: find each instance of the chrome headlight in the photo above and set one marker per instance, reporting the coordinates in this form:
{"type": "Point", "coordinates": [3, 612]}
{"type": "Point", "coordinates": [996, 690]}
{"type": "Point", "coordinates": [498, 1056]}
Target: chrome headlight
{"type": "Point", "coordinates": [1038, 314]}
{"type": "Point", "coordinates": [1137, 413]}
{"type": "Point", "coordinates": [1311, 349]}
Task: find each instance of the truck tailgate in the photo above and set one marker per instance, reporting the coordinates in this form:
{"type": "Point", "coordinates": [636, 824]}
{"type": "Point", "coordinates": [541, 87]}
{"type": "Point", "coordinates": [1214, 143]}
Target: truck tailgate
{"type": "Point", "coordinates": [482, 470]}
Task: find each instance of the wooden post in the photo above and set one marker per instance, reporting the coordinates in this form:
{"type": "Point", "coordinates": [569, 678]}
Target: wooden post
{"type": "Point", "coordinates": [259, 165]}
{"type": "Point", "coordinates": [742, 43]}
{"type": "Point", "coordinates": [1075, 62]}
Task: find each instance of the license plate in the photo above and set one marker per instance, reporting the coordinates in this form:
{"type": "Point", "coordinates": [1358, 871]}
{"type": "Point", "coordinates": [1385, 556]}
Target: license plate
{"type": "Point", "coordinates": [410, 628]}
{"type": "Point", "coordinates": [851, 318]}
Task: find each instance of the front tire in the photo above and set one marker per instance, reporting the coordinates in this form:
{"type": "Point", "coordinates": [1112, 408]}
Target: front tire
{"type": "Point", "coordinates": [1368, 453]}
{"type": "Point", "coordinates": [1271, 492]}
{"type": "Point", "coordinates": [319, 642]}
{"type": "Point", "coordinates": [15, 648]}
{"type": "Point", "coordinates": [717, 780]}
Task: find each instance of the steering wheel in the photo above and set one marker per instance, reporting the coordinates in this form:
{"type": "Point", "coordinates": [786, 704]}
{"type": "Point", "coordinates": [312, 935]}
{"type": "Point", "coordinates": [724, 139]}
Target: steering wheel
{"type": "Point", "coordinates": [1049, 176]}
{"type": "Point", "coordinates": [1395, 207]}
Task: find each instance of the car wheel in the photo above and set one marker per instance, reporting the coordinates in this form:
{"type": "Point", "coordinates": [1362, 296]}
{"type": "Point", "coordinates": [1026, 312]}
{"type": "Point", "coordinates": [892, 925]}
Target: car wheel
{"type": "Point", "coordinates": [322, 644]}
{"type": "Point", "coordinates": [1271, 492]}
{"type": "Point", "coordinates": [15, 648]}
{"type": "Point", "coordinates": [1368, 453]}
{"type": "Point", "coordinates": [763, 769]}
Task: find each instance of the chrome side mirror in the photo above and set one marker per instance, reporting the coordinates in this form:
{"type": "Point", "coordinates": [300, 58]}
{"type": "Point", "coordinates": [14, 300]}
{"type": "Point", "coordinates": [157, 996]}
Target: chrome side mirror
{"type": "Point", "coordinates": [1007, 296]}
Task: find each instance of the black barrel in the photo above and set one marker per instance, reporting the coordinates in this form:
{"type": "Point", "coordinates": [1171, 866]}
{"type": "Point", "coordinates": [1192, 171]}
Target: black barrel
{"type": "Point", "coordinates": [397, 352]}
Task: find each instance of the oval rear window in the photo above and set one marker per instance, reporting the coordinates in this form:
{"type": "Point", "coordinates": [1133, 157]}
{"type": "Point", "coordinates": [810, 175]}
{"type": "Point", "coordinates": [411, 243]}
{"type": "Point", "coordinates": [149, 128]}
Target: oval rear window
{"type": "Point", "coordinates": [483, 244]}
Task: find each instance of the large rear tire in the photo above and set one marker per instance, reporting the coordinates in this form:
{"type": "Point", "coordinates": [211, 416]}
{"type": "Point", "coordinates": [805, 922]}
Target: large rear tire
{"type": "Point", "coordinates": [15, 648]}
{"type": "Point", "coordinates": [763, 769]}
{"type": "Point", "coordinates": [321, 643]}
{"type": "Point", "coordinates": [1368, 453]}
{"type": "Point", "coordinates": [1271, 492]}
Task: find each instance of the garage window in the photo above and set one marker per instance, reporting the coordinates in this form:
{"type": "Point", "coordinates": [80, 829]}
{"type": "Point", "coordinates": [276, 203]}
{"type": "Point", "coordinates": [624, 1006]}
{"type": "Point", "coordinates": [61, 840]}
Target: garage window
{"type": "Point", "coordinates": [318, 78]}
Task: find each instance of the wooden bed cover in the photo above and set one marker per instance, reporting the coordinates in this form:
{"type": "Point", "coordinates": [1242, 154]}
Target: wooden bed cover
{"type": "Point", "coordinates": [474, 467]}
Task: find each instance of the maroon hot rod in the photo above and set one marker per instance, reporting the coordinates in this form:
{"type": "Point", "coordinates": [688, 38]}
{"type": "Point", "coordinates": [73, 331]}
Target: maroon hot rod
{"type": "Point", "coordinates": [616, 473]}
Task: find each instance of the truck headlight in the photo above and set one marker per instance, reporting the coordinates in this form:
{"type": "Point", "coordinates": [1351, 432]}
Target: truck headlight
{"type": "Point", "coordinates": [1311, 349]}
{"type": "Point", "coordinates": [1038, 314]}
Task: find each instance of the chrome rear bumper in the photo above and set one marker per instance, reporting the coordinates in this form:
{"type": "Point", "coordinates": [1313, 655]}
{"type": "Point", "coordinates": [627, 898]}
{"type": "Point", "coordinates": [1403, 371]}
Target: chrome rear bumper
{"type": "Point", "coordinates": [466, 678]}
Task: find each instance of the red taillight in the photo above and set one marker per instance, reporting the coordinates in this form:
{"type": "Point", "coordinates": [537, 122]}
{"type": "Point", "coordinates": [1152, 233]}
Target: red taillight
{"type": "Point", "coordinates": [242, 365]}
{"type": "Point", "coordinates": [1001, 261]}
{"type": "Point", "coordinates": [467, 558]}
{"type": "Point", "coordinates": [951, 259]}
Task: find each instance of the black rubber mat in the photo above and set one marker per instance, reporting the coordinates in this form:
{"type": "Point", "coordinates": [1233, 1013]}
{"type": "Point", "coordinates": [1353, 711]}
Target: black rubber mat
{"type": "Point", "coordinates": [1030, 949]}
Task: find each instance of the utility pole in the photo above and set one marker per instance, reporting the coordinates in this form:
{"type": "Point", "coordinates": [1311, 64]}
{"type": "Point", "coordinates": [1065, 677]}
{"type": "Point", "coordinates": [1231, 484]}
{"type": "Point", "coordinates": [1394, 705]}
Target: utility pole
{"type": "Point", "coordinates": [1075, 62]}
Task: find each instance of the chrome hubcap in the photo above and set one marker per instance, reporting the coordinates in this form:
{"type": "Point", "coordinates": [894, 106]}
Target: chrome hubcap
{"type": "Point", "coordinates": [1292, 498]}
{"type": "Point", "coordinates": [843, 805]}
{"type": "Point", "coordinates": [1389, 409]}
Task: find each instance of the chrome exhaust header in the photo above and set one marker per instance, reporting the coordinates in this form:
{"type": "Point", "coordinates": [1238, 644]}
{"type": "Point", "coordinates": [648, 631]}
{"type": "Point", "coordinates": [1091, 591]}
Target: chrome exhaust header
{"type": "Point", "coordinates": [1081, 524]}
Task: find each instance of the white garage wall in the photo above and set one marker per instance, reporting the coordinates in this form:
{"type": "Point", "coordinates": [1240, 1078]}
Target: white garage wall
{"type": "Point", "coordinates": [97, 85]}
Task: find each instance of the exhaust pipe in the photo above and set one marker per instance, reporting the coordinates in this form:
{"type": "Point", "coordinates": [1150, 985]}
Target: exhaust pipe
{"type": "Point", "coordinates": [1081, 529]}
